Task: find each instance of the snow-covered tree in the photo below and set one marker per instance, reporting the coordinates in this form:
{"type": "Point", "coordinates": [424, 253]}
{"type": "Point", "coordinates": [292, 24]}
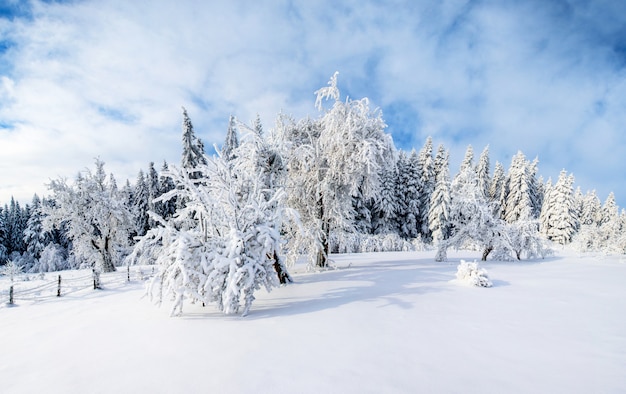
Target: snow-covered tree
{"type": "Point", "coordinates": [496, 187]}
{"type": "Point", "coordinates": [472, 216]}
{"type": "Point", "coordinates": [232, 140]}
{"type": "Point", "coordinates": [468, 160]}
{"type": "Point", "coordinates": [558, 219]}
{"type": "Point", "coordinates": [3, 238]}
{"type": "Point", "coordinates": [220, 246]}
{"type": "Point", "coordinates": [141, 205]}
{"type": "Point", "coordinates": [482, 171]}
{"type": "Point", "coordinates": [164, 209]}
{"type": "Point", "coordinates": [425, 186]}
{"type": "Point", "coordinates": [35, 237]}
{"type": "Point", "coordinates": [330, 161]}
{"type": "Point", "coordinates": [98, 222]}
{"type": "Point", "coordinates": [439, 216]}
{"type": "Point", "coordinates": [193, 149]}
{"type": "Point", "coordinates": [386, 208]}
{"type": "Point", "coordinates": [519, 199]}
{"type": "Point", "coordinates": [408, 195]}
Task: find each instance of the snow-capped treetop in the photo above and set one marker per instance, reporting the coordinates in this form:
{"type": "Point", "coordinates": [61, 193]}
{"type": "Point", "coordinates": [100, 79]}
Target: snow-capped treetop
{"type": "Point", "coordinates": [193, 148]}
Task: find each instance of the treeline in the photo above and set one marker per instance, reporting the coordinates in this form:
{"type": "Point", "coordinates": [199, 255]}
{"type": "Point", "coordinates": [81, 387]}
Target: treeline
{"type": "Point", "coordinates": [341, 175]}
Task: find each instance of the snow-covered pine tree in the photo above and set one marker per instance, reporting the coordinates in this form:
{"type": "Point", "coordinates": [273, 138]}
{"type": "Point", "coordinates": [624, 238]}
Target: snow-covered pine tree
{"type": "Point", "coordinates": [258, 126]}
{"type": "Point", "coordinates": [495, 189]}
{"type": "Point", "coordinates": [403, 191]}
{"type": "Point", "coordinates": [425, 186]}
{"type": "Point", "coordinates": [591, 209]}
{"type": "Point", "coordinates": [140, 205]}
{"type": "Point", "coordinates": [519, 198]}
{"type": "Point", "coordinates": [35, 237]}
{"type": "Point", "coordinates": [152, 181]}
{"type": "Point", "coordinates": [385, 210]}
{"type": "Point", "coordinates": [220, 246]}
{"type": "Point", "coordinates": [331, 160]}
{"type": "Point", "coordinates": [193, 149]}
{"type": "Point", "coordinates": [164, 209]}
{"type": "Point", "coordinates": [98, 222]}
{"type": "Point", "coordinates": [559, 221]}
{"type": "Point", "coordinates": [482, 171]}
{"type": "Point", "coordinates": [16, 219]}
{"type": "Point", "coordinates": [468, 160]}
{"type": "Point", "coordinates": [4, 255]}
{"type": "Point", "coordinates": [232, 140]}
{"type": "Point", "coordinates": [408, 194]}
{"type": "Point", "coordinates": [610, 224]}
{"type": "Point", "coordinates": [439, 216]}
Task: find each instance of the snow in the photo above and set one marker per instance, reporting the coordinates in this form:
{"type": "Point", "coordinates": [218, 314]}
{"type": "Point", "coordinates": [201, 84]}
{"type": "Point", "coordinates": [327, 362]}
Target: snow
{"type": "Point", "coordinates": [379, 323]}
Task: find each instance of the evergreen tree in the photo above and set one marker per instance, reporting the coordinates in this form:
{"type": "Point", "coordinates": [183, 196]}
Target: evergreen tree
{"type": "Point", "coordinates": [258, 126]}
{"type": "Point", "coordinates": [425, 186]}
{"type": "Point", "coordinates": [4, 253]}
{"type": "Point", "coordinates": [439, 215]}
{"type": "Point", "coordinates": [519, 199]}
{"type": "Point", "coordinates": [468, 160]}
{"type": "Point", "coordinates": [193, 149]}
{"type": "Point", "coordinates": [590, 212]}
{"type": "Point", "coordinates": [408, 195]}
{"type": "Point", "coordinates": [496, 187]}
{"type": "Point", "coordinates": [140, 205]}
{"type": "Point", "coordinates": [35, 237]}
{"type": "Point", "coordinates": [232, 141]}
{"type": "Point", "coordinates": [482, 170]}
{"type": "Point", "coordinates": [559, 220]}
{"type": "Point", "coordinates": [385, 210]}
{"type": "Point", "coordinates": [165, 208]}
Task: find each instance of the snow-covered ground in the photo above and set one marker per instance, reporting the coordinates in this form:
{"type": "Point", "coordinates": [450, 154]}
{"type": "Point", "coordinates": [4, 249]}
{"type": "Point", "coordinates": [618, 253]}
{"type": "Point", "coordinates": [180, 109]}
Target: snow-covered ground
{"type": "Point", "coordinates": [381, 323]}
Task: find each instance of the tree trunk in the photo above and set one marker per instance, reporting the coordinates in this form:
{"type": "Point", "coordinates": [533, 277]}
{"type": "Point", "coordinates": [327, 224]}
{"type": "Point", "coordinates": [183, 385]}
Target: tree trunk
{"type": "Point", "coordinates": [281, 271]}
{"type": "Point", "coordinates": [107, 259]}
{"type": "Point", "coordinates": [486, 252]}
{"type": "Point", "coordinates": [322, 253]}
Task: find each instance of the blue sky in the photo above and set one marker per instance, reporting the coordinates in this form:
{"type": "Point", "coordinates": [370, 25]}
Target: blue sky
{"type": "Point", "coordinates": [107, 78]}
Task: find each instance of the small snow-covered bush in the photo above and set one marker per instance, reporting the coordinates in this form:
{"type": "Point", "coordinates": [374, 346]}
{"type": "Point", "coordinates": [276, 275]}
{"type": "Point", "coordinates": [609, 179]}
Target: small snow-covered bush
{"type": "Point", "coordinates": [472, 274]}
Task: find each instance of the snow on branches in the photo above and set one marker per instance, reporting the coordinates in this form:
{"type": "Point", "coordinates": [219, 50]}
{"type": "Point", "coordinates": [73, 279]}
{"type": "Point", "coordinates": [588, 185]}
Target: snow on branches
{"type": "Point", "coordinates": [222, 245]}
{"type": "Point", "coordinates": [472, 274]}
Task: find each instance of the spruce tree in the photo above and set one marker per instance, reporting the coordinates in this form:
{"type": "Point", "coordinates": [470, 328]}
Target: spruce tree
{"type": "Point", "coordinates": [482, 170]}
{"type": "Point", "coordinates": [559, 221]}
{"type": "Point", "coordinates": [232, 140]}
{"type": "Point", "coordinates": [426, 185]}
{"type": "Point", "coordinates": [439, 215]}
{"type": "Point", "coordinates": [519, 200]}
{"type": "Point", "coordinates": [193, 148]}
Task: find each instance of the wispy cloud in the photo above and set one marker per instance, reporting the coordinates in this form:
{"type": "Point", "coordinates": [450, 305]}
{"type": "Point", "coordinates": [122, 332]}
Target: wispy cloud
{"type": "Point", "coordinates": [82, 79]}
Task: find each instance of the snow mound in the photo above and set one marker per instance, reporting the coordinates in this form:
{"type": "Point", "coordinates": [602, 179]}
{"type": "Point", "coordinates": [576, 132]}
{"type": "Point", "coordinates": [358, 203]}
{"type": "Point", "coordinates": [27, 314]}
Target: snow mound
{"type": "Point", "coordinates": [472, 274]}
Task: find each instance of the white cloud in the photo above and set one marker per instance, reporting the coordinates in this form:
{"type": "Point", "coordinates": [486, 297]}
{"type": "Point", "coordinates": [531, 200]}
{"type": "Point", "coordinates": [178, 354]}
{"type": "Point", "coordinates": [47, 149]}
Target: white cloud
{"type": "Point", "coordinates": [107, 78]}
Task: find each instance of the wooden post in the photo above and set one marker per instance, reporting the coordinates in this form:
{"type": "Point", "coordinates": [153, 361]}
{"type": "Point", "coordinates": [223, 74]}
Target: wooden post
{"type": "Point", "coordinates": [59, 287]}
{"type": "Point", "coordinates": [96, 279]}
{"type": "Point", "coordinates": [11, 295]}
{"type": "Point", "coordinates": [128, 273]}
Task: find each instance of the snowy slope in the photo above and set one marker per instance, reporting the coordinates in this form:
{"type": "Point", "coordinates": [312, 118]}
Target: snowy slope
{"type": "Point", "coordinates": [384, 323]}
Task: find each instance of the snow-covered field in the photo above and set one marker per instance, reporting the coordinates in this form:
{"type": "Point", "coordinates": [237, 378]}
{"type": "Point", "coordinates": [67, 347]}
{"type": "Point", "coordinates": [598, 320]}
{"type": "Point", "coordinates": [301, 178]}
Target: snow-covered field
{"type": "Point", "coordinates": [381, 323]}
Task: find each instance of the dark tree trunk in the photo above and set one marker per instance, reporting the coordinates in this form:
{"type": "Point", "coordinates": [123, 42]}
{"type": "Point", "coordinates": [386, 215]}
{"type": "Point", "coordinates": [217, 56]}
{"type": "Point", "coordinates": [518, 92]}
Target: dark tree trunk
{"type": "Point", "coordinates": [107, 259]}
{"type": "Point", "coordinates": [281, 270]}
{"type": "Point", "coordinates": [486, 252]}
{"type": "Point", "coordinates": [322, 254]}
